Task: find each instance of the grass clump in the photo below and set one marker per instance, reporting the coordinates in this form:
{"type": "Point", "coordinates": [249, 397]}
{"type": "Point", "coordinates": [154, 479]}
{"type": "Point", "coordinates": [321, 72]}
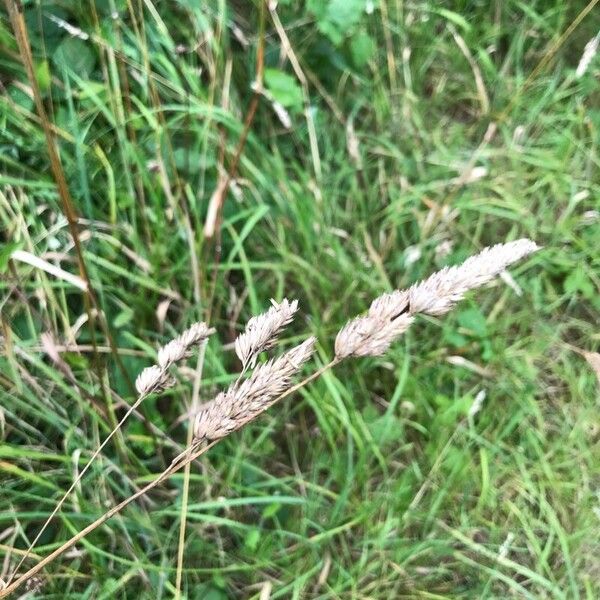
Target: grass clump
{"type": "Point", "coordinates": [385, 142]}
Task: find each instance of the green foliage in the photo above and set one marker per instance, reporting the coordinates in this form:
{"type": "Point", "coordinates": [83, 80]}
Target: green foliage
{"type": "Point", "coordinates": [337, 18]}
{"type": "Point", "coordinates": [363, 48]}
{"type": "Point", "coordinates": [75, 55]}
{"type": "Point", "coordinates": [379, 479]}
{"type": "Point", "coordinates": [284, 88]}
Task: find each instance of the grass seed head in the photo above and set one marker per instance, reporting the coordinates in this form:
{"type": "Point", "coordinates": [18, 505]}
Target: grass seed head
{"type": "Point", "coordinates": [242, 403]}
{"type": "Point", "coordinates": [438, 294]}
{"type": "Point", "coordinates": [153, 379]}
{"type": "Point", "coordinates": [183, 345]}
{"type": "Point", "coordinates": [261, 331]}
{"type": "Point", "coordinates": [391, 314]}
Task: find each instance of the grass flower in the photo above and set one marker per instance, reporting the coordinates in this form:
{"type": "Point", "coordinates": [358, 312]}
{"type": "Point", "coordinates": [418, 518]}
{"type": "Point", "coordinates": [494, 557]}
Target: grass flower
{"type": "Point", "coordinates": [391, 314]}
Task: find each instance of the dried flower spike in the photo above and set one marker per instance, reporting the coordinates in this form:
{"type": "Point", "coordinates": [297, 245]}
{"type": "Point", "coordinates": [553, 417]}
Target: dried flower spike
{"type": "Point", "coordinates": [239, 404]}
{"type": "Point", "coordinates": [261, 331]}
{"type": "Point", "coordinates": [368, 336]}
{"type": "Point", "coordinates": [438, 294]}
{"type": "Point", "coordinates": [589, 52]}
{"type": "Point", "coordinates": [183, 345]}
{"type": "Point", "coordinates": [391, 314]}
{"type": "Point", "coordinates": [153, 379]}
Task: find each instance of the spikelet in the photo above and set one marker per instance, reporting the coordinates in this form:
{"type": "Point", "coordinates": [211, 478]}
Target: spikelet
{"type": "Point", "coordinates": [369, 336]}
{"type": "Point", "coordinates": [153, 379]}
{"type": "Point", "coordinates": [438, 294]}
{"type": "Point", "coordinates": [183, 345]}
{"type": "Point", "coordinates": [391, 314]}
{"type": "Point", "coordinates": [261, 331]}
{"type": "Point", "coordinates": [589, 52]}
{"type": "Point", "coordinates": [156, 377]}
{"type": "Point", "coordinates": [242, 403]}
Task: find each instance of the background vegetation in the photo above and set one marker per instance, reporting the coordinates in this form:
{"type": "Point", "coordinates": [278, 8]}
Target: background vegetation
{"type": "Point", "coordinates": [391, 138]}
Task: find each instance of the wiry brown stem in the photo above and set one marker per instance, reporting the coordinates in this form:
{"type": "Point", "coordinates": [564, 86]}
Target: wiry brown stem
{"type": "Point", "coordinates": [72, 487]}
{"type": "Point", "coordinates": [105, 517]}
{"type": "Point", "coordinates": [15, 11]}
{"type": "Point", "coordinates": [213, 217]}
{"type": "Point", "coordinates": [181, 461]}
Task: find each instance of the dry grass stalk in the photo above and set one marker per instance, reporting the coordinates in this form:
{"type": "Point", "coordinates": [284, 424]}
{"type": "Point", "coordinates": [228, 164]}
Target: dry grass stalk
{"type": "Point", "coordinates": [388, 317]}
{"type": "Point", "coordinates": [262, 331]}
{"type": "Point", "coordinates": [152, 379]}
{"type": "Point", "coordinates": [391, 314]}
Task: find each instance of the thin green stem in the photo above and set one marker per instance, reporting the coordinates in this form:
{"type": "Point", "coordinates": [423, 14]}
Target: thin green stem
{"type": "Point", "coordinates": [186, 476]}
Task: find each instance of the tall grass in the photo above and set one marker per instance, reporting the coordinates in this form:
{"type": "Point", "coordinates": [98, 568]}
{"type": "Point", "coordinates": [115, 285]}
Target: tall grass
{"type": "Point", "coordinates": [371, 158]}
{"type": "Point", "coordinates": [389, 317]}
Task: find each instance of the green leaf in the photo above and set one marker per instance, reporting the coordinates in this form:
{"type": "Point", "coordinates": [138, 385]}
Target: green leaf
{"type": "Point", "coordinates": [330, 30]}
{"type": "Point", "coordinates": [19, 97]}
{"type": "Point", "coordinates": [473, 320]}
{"type": "Point", "coordinates": [386, 429]}
{"type": "Point", "coordinates": [284, 88]}
{"type": "Point", "coordinates": [75, 55]}
{"type": "Point", "coordinates": [487, 350]}
{"type": "Point", "coordinates": [211, 593]}
{"type": "Point", "coordinates": [109, 585]}
{"type": "Point", "coordinates": [252, 539]}
{"type": "Point", "coordinates": [271, 510]}
{"type": "Point", "coordinates": [123, 318]}
{"type": "Point", "coordinates": [345, 13]}
{"type": "Point", "coordinates": [42, 75]}
{"type": "Point", "coordinates": [5, 253]}
{"type": "Point", "coordinates": [362, 48]}
{"type": "Point", "coordinates": [338, 18]}
{"type": "Point", "coordinates": [318, 8]}
{"type": "Point", "coordinates": [454, 338]}
{"type": "Point", "coordinates": [578, 281]}
{"type": "Point", "coordinates": [454, 17]}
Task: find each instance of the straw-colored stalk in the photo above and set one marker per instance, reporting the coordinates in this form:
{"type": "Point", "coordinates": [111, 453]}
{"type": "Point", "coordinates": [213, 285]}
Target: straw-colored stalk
{"type": "Point", "coordinates": [388, 317]}
{"type": "Point", "coordinates": [152, 379]}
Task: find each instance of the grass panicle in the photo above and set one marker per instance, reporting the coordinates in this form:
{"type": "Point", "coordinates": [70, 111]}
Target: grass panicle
{"type": "Point", "coordinates": [154, 379]}
{"type": "Point", "coordinates": [146, 144]}
{"type": "Point", "coordinates": [391, 314]}
{"type": "Point", "coordinates": [242, 403]}
{"type": "Point", "coordinates": [388, 317]}
{"type": "Point", "coordinates": [183, 345]}
{"type": "Point", "coordinates": [262, 331]}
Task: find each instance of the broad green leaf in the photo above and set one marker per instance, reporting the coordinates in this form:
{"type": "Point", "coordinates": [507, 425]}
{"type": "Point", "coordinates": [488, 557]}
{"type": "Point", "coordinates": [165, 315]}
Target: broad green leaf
{"type": "Point", "coordinates": [284, 88]}
{"type": "Point", "coordinates": [75, 55]}
{"type": "Point", "coordinates": [345, 13]}
{"type": "Point", "coordinates": [362, 48]}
